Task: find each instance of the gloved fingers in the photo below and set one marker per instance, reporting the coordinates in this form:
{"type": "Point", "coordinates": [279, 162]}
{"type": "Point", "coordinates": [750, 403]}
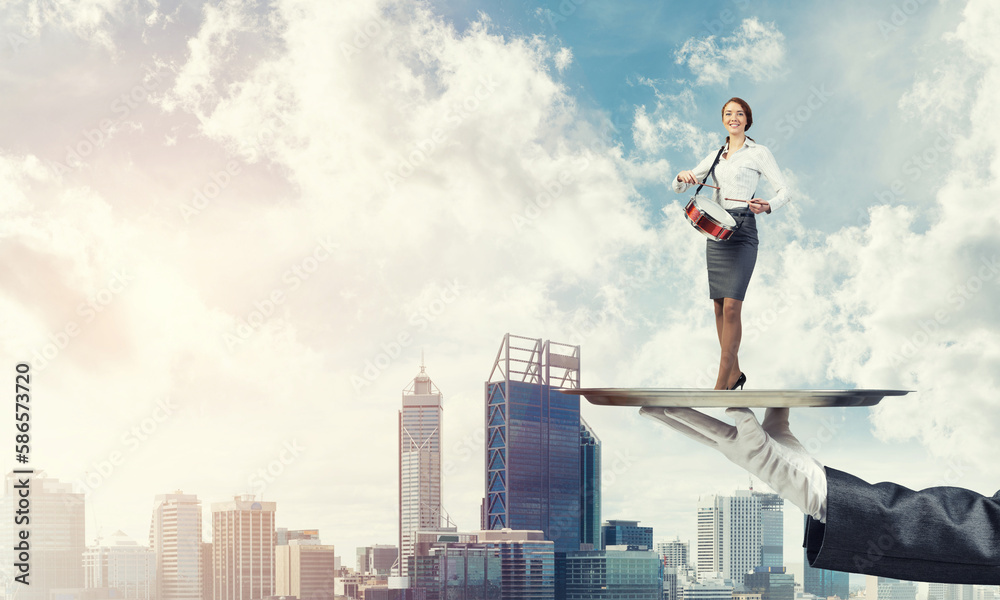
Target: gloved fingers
{"type": "Point", "coordinates": [658, 414]}
{"type": "Point", "coordinates": [748, 429]}
{"type": "Point", "coordinates": [776, 425]}
{"type": "Point", "coordinates": [709, 427]}
{"type": "Point", "coordinates": [775, 420]}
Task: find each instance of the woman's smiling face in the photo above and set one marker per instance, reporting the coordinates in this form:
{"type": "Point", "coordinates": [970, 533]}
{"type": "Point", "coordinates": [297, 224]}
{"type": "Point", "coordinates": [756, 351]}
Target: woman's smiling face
{"type": "Point", "coordinates": [734, 118]}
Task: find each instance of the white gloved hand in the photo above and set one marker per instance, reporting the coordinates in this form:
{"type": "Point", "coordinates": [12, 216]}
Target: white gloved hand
{"type": "Point", "coordinates": [770, 451]}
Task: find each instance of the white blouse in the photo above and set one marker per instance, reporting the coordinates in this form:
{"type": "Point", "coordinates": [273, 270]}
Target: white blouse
{"type": "Point", "coordinates": [738, 175]}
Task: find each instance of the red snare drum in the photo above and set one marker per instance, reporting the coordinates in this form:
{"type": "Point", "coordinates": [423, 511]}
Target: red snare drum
{"type": "Point", "coordinates": [710, 218]}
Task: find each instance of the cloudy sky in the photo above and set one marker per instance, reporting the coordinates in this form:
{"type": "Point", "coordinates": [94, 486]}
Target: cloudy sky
{"type": "Point", "coordinates": [230, 231]}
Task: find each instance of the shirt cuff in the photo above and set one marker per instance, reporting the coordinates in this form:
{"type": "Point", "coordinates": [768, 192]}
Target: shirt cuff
{"type": "Point", "coordinates": [777, 202]}
{"type": "Point", "coordinates": [813, 542]}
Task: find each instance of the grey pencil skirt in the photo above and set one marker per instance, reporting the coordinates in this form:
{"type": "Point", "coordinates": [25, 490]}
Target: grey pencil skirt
{"type": "Point", "coordinates": [731, 262]}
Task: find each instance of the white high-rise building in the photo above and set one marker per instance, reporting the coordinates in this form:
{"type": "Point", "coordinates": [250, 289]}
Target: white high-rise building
{"type": "Point", "coordinates": [950, 591]}
{"type": "Point", "coordinates": [737, 533]}
{"type": "Point", "coordinates": [243, 537]}
{"type": "Point", "coordinates": [708, 551]}
{"type": "Point", "coordinates": [887, 588]}
{"type": "Point", "coordinates": [419, 464]}
{"type": "Point", "coordinates": [985, 592]}
{"type": "Point", "coordinates": [674, 553]}
{"type": "Point", "coordinates": [175, 538]}
{"type": "Point", "coordinates": [707, 589]}
{"type": "Point", "coordinates": [122, 565]}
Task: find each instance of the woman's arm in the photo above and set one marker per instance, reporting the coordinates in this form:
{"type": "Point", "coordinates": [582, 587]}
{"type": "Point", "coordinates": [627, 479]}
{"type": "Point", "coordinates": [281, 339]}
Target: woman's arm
{"type": "Point", "coordinates": [699, 172]}
{"type": "Point", "coordinates": [769, 169]}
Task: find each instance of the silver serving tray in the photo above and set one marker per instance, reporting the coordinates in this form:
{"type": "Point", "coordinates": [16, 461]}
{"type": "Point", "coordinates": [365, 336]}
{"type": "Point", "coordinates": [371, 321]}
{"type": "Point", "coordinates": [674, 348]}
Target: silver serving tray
{"type": "Point", "coordinates": [727, 398]}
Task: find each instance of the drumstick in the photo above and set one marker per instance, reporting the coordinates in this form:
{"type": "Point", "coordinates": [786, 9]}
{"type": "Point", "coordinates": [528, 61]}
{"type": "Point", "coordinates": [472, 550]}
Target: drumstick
{"type": "Point", "coordinates": [718, 188]}
{"type": "Point", "coordinates": [730, 199]}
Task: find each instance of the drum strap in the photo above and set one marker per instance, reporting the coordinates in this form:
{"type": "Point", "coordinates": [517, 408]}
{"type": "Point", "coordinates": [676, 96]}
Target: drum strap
{"type": "Point", "coordinates": [709, 174]}
{"type": "Point", "coordinates": [710, 171]}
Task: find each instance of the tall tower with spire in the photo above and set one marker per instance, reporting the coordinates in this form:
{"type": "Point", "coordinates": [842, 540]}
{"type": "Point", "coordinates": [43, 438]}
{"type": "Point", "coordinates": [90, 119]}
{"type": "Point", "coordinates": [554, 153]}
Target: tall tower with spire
{"type": "Point", "coordinates": [419, 464]}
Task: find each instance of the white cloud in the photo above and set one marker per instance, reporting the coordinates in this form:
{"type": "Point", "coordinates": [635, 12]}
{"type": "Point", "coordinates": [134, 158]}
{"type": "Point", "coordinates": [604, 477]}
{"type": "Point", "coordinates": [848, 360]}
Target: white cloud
{"type": "Point", "coordinates": [666, 129]}
{"type": "Point", "coordinates": [755, 49]}
{"type": "Point", "coordinates": [938, 96]}
{"type": "Point", "coordinates": [669, 125]}
{"type": "Point", "coordinates": [563, 58]}
{"type": "Point", "coordinates": [451, 173]}
{"type": "Point", "coordinates": [216, 45]}
{"type": "Point", "coordinates": [92, 20]}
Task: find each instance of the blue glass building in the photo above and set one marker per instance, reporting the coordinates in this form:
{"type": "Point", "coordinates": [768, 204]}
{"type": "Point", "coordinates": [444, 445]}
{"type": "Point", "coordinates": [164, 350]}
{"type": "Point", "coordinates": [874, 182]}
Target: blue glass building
{"type": "Point", "coordinates": [500, 565]}
{"type": "Point", "coordinates": [613, 575]}
{"type": "Point", "coordinates": [458, 571]}
{"type": "Point", "coordinates": [824, 583]}
{"type": "Point", "coordinates": [590, 480]}
{"type": "Point", "coordinates": [626, 533]}
{"type": "Point", "coordinates": [772, 529]}
{"type": "Point", "coordinates": [527, 564]}
{"type": "Point", "coordinates": [533, 441]}
{"type": "Point", "coordinates": [772, 583]}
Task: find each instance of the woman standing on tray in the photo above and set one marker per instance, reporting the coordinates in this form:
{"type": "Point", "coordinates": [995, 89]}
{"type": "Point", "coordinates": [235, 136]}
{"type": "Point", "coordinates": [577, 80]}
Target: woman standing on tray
{"type": "Point", "coordinates": [736, 169]}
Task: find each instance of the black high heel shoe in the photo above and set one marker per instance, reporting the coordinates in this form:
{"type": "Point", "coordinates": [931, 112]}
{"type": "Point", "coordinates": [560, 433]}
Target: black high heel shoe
{"type": "Point", "coordinates": [739, 382]}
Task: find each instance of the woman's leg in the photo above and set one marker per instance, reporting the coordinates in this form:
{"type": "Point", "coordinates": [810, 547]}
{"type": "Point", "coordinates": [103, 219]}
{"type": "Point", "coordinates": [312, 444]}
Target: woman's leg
{"type": "Point", "coordinates": [728, 314]}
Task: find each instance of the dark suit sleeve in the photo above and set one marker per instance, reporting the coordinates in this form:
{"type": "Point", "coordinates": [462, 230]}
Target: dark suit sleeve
{"type": "Point", "coordinates": [942, 534]}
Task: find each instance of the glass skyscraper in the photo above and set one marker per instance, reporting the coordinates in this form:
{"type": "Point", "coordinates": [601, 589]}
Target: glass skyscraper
{"type": "Point", "coordinates": [590, 480]}
{"type": "Point", "coordinates": [824, 583]}
{"type": "Point", "coordinates": [772, 530]}
{"type": "Point", "coordinates": [533, 442]}
{"type": "Point", "coordinates": [419, 464]}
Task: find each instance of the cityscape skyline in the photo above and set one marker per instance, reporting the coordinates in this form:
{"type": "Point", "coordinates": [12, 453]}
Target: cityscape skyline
{"type": "Point", "coordinates": [415, 394]}
{"type": "Point", "coordinates": [421, 393]}
{"type": "Point", "coordinates": [231, 229]}
{"type": "Point", "coordinates": [537, 438]}
{"type": "Point", "coordinates": [246, 527]}
{"type": "Point", "coordinates": [288, 545]}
